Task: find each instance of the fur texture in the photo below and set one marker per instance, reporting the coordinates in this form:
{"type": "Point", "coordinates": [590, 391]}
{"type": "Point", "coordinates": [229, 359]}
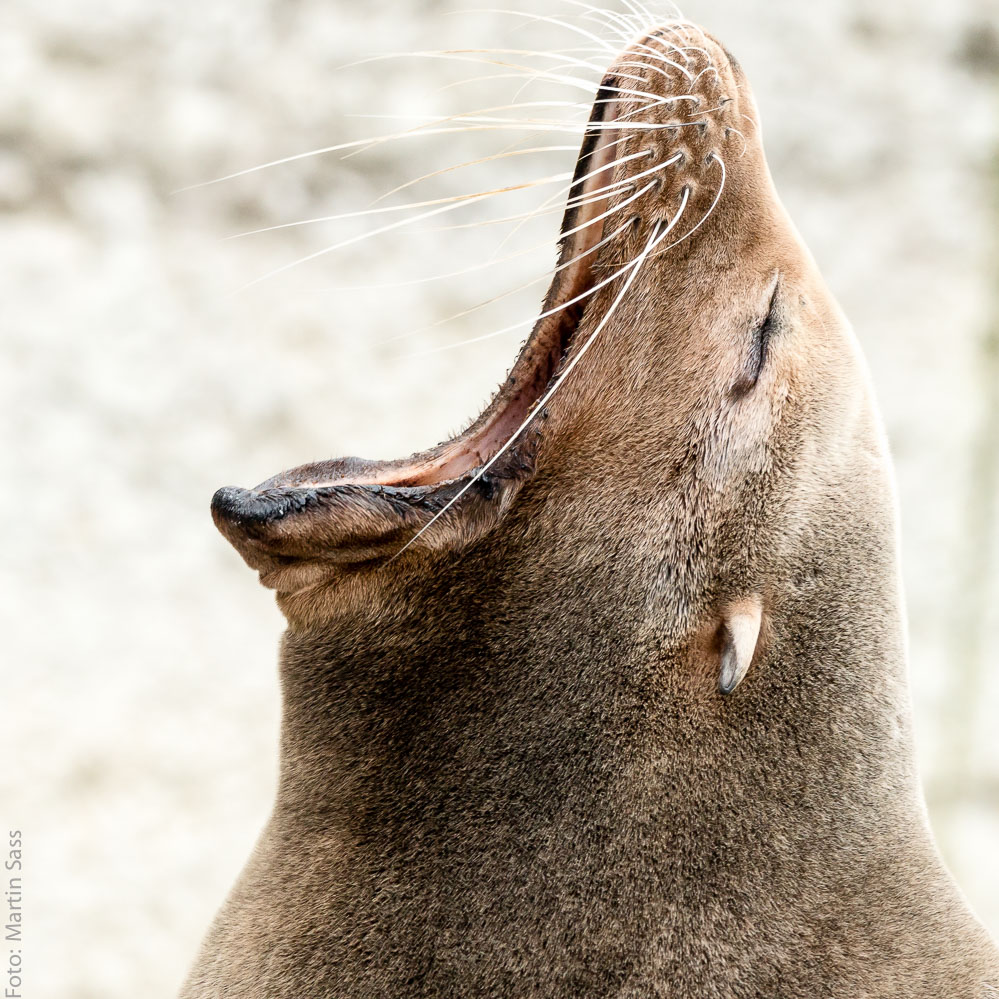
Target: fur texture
{"type": "Point", "coordinates": [506, 767]}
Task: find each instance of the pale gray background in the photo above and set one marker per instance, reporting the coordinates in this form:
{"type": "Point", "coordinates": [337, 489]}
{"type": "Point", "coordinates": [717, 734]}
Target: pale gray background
{"type": "Point", "coordinates": [139, 691]}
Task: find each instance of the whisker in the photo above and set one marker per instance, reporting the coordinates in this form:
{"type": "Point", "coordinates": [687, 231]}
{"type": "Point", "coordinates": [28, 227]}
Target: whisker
{"type": "Point", "coordinates": [601, 18]}
{"type": "Point", "coordinates": [707, 69]}
{"type": "Point", "coordinates": [558, 194]}
{"type": "Point", "coordinates": [589, 198]}
{"type": "Point", "coordinates": [552, 124]}
{"type": "Point", "coordinates": [642, 13]}
{"type": "Point", "coordinates": [539, 210]}
{"type": "Point", "coordinates": [479, 195]}
{"type": "Point", "coordinates": [745, 144]}
{"type": "Point", "coordinates": [357, 239]}
{"type": "Point", "coordinates": [681, 50]}
{"type": "Point", "coordinates": [480, 114]}
{"type": "Point", "coordinates": [529, 75]}
{"type": "Point", "coordinates": [574, 202]}
{"type": "Point", "coordinates": [646, 65]}
{"type": "Point", "coordinates": [666, 61]}
{"type": "Point", "coordinates": [408, 133]}
{"type": "Point", "coordinates": [626, 27]}
{"type": "Point", "coordinates": [445, 53]}
{"type": "Point", "coordinates": [470, 163]}
{"type": "Point", "coordinates": [543, 277]}
{"type": "Point", "coordinates": [532, 126]}
{"type": "Point", "coordinates": [627, 181]}
{"type": "Point", "coordinates": [592, 85]}
{"type": "Point", "coordinates": [551, 20]}
{"type": "Point", "coordinates": [698, 114]}
{"type": "Point", "coordinates": [689, 24]}
{"type": "Point", "coordinates": [551, 312]}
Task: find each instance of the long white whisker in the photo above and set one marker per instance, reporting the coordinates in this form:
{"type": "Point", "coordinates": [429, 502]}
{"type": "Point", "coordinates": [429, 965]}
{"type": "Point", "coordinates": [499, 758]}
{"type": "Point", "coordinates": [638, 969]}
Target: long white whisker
{"type": "Point", "coordinates": [681, 51]}
{"type": "Point", "coordinates": [407, 133]}
{"type": "Point", "coordinates": [745, 144]}
{"type": "Point", "coordinates": [573, 202]}
{"type": "Point", "coordinates": [357, 239]}
{"type": "Point", "coordinates": [506, 154]}
{"type": "Point", "coordinates": [529, 76]}
{"type": "Point", "coordinates": [624, 27]}
{"type": "Point", "coordinates": [643, 14]}
{"type": "Point", "coordinates": [688, 24]}
{"type": "Point", "coordinates": [646, 65]}
{"type": "Point", "coordinates": [552, 20]}
{"type": "Point", "coordinates": [553, 125]}
{"type": "Point", "coordinates": [512, 291]}
{"type": "Point", "coordinates": [445, 53]}
{"type": "Point", "coordinates": [651, 98]}
{"type": "Point", "coordinates": [435, 119]}
{"type": "Point", "coordinates": [608, 24]}
{"type": "Point", "coordinates": [459, 198]}
{"type": "Point", "coordinates": [683, 39]}
{"type": "Point", "coordinates": [707, 69]}
{"type": "Point", "coordinates": [664, 59]}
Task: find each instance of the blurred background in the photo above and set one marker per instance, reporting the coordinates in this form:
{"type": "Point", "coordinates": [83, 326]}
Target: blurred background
{"type": "Point", "coordinates": [149, 359]}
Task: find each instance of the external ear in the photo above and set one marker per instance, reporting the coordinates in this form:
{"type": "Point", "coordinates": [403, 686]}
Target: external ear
{"type": "Point", "coordinates": [303, 526]}
{"type": "Point", "coordinates": [740, 632]}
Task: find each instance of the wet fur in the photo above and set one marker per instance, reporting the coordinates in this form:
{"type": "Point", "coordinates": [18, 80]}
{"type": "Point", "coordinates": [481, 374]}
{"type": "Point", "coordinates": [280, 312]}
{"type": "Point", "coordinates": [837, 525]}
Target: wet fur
{"type": "Point", "coordinates": [505, 766]}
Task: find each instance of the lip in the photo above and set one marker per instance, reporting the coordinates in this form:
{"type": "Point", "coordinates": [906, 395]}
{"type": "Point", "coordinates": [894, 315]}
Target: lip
{"type": "Point", "coordinates": [433, 478]}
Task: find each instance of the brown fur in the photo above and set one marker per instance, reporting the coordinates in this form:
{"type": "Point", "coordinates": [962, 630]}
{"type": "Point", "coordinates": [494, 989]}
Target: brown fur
{"type": "Point", "coordinates": [506, 768]}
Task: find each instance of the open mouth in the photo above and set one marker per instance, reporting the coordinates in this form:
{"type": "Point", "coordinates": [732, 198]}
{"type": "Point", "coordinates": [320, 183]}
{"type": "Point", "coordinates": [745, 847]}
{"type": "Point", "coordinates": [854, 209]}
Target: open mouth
{"type": "Point", "coordinates": [536, 367]}
{"type": "Point", "coordinates": [360, 509]}
{"type": "Point", "coordinates": [502, 426]}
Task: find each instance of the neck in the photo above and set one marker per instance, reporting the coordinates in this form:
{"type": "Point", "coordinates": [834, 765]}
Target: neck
{"type": "Point", "coordinates": [531, 727]}
{"type": "Point", "coordinates": [535, 798]}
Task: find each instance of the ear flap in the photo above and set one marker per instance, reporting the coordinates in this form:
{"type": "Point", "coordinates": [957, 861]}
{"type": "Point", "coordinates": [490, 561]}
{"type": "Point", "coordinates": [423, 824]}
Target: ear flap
{"type": "Point", "coordinates": [296, 530]}
{"type": "Point", "coordinates": [740, 632]}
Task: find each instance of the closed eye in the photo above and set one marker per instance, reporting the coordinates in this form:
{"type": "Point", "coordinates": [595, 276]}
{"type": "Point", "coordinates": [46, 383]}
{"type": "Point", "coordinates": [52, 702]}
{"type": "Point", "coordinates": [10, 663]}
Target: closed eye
{"type": "Point", "coordinates": [759, 348]}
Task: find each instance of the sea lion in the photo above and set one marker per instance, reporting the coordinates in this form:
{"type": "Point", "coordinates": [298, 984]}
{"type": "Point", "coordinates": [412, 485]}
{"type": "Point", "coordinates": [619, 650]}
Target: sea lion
{"type": "Point", "coordinates": [607, 695]}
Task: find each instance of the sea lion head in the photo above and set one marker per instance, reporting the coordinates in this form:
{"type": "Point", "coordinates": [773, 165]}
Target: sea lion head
{"type": "Point", "coordinates": [689, 421]}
